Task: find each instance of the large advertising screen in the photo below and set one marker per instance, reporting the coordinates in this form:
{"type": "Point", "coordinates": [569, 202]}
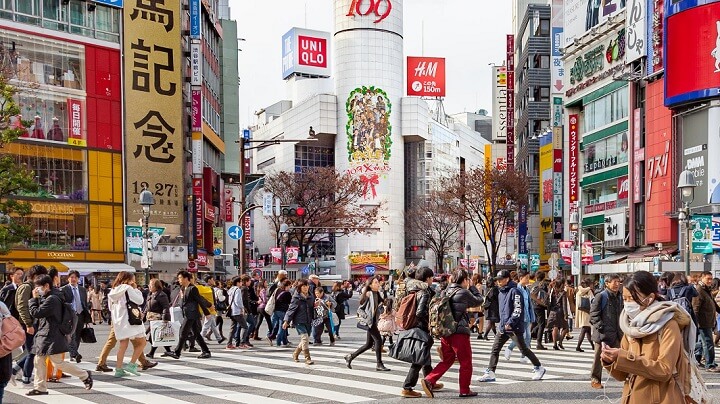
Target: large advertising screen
{"type": "Point", "coordinates": [692, 52]}
{"type": "Point", "coordinates": [583, 15]}
{"type": "Point", "coordinates": [153, 110]}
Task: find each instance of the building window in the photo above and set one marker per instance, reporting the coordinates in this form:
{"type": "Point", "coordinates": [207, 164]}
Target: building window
{"type": "Point", "coordinates": [543, 29]}
{"type": "Point", "coordinates": [313, 156]}
{"type": "Point", "coordinates": [541, 94]}
{"type": "Point", "coordinates": [541, 61]}
{"type": "Point", "coordinates": [60, 173]}
{"type": "Point", "coordinates": [606, 110]}
{"type": "Point", "coordinates": [606, 153]}
{"type": "Point", "coordinates": [58, 226]}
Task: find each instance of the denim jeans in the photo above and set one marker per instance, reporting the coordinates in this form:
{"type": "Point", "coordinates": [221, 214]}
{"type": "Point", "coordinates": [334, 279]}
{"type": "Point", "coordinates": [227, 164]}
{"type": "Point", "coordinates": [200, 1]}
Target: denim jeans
{"type": "Point", "coordinates": [705, 347]}
{"type": "Point", "coordinates": [235, 333]}
{"type": "Point", "coordinates": [526, 337]}
{"type": "Point", "coordinates": [281, 335]}
{"type": "Point", "coordinates": [276, 328]}
{"type": "Point", "coordinates": [2, 390]}
{"type": "Point", "coordinates": [250, 328]}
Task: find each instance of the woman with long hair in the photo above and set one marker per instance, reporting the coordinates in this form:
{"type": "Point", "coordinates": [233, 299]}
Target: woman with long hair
{"type": "Point", "coordinates": [157, 308]}
{"type": "Point", "coordinates": [585, 291]}
{"type": "Point", "coordinates": [125, 289]}
{"type": "Point", "coordinates": [557, 313]}
{"type": "Point", "coordinates": [491, 308]}
{"type": "Point", "coordinates": [341, 292]}
{"type": "Point", "coordinates": [650, 360]}
{"type": "Point", "coordinates": [300, 314]}
{"type": "Point", "coordinates": [370, 301]}
{"type": "Point", "coordinates": [261, 291]}
{"type": "Point", "coordinates": [95, 302]}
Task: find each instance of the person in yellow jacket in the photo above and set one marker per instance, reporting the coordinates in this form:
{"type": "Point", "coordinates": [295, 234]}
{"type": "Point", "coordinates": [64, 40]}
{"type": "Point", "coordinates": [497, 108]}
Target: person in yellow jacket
{"type": "Point", "coordinates": [210, 325]}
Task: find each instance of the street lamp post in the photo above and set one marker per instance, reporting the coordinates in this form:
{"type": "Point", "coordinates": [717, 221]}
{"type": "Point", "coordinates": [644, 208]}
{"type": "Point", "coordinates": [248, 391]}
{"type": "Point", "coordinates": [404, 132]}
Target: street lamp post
{"type": "Point", "coordinates": [686, 185]}
{"type": "Point", "coordinates": [146, 201]}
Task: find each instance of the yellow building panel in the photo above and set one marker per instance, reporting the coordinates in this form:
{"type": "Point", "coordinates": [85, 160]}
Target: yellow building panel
{"type": "Point", "coordinates": [94, 227]}
{"type": "Point", "coordinates": [213, 138]}
{"type": "Point", "coordinates": [43, 150]}
{"type": "Point", "coordinates": [106, 239]}
{"type": "Point", "coordinates": [105, 257]}
{"type": "Point", "coordinates": [117, 178]}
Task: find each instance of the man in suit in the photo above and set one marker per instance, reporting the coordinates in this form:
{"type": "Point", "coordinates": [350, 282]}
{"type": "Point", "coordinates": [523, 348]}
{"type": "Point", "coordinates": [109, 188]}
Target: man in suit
{"type": "Point", "coordinates": [76, 295]}
{"type": "Point", "coordinates": [191, 305]}
{"type": "Point", "coordinates": [7, 294]}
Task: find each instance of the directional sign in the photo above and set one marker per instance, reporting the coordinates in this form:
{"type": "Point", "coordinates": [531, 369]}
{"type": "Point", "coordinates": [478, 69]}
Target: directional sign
{"type": "Point", "coordinates": [235, 232]}
{"type": "Point", "coordinates": [370, 270]}
{"type": "Point", "coordinates": [217, 251]}
{"type": "Point", "coordinates": [246, 134]}
{"type": "Point", "coordinates": [268, 204]}
{"type": "Point", "coordinates": [534, 262]}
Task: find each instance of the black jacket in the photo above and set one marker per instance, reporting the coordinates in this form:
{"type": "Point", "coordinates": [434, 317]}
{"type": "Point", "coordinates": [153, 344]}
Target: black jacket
{"type": "Point", "coordinates": [47, 311]}
{"type": "Point", "coordinates": [68, 293]}
{"type": "Point", "coordinates": [605, 317]}
{"type": "Point", "coordinates": [159, 303]}
{"type": "Point", "coordinates": [300, 310]}
{"type": "Point", "coordinates": [190, 302]}
{"type": "Point", "coordinates": [340, 298]}
{"type": "Point", "coordinates": [423, 294]}
{"type": "Point", "coordinates": [250, 299]}
{"type": "Point", "coordinates": [463, 299]}
{"type": "Point", "coordinates": [512, 308]}
{"type": "Point", "coordinates": [282, 300]}
{"type": "Point", "coordinates": [492, 305]}
{"type": "Point", "coordinates": [7, 295]}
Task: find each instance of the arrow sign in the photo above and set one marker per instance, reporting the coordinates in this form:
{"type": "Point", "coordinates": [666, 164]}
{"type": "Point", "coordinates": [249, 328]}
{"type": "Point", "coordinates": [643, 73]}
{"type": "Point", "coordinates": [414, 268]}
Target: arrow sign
{"type": "Point", "coordinates": [559, 85]}
{"type": "Point", "coordinates": [235, 232]}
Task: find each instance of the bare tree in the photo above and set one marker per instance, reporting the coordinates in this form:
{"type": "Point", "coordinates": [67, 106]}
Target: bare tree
{"type": "Point", "coordinates": [331, 201]}
{"type": "Point", "coordinates": [486, 198]}
{"type": "Point", "coordinates": [434, 224]}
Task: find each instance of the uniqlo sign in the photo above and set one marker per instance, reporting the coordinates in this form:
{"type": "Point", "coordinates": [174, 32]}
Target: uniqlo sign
{"type": "Point", "coordinates": [305, 52]}
{"type": "Point", "coordinates": [425, 76]}
{"type": "Point", "coordinates": [313, 51]}
{"type": "Point", "coordinates": [574, 161]}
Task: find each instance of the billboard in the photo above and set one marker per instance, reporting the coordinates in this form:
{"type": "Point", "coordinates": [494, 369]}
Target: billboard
{"type": "Point", "coordinates": [582, 15]}
{"type": "Point", "coordinates": [154, 118]}
{"type": "Point", "coordinates": [701, 134]}
{"type": "Point", "coordinates": [600, 60]}
{"type": "Point", "coordinates": [305, 52]}
{"type": "Point", "coordinates": [510, 137]}
{"type": "Point", "coordinates": [574, 162]}
{"type": "Point", "coordinates": [499, 103]}
{"type": "Point", "coordinates": [636, 30]}
{"type": "Point", "coordinates": [615, 227]}
{"type": "Point", "coordinates": [556, 32]}
{"type": "Point", "coordinates": [691, 45]}
{"type": "Point", "coordinates": [425, 76]}
{"type": "Point", "coordinates": [196, 64]}
{"type": "Point", "coordinates": [655, 38]}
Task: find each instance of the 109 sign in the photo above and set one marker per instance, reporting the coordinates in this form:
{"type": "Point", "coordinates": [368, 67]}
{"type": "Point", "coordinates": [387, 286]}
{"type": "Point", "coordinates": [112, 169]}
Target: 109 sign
{"type": "Point", "coordinates": [366, 7]}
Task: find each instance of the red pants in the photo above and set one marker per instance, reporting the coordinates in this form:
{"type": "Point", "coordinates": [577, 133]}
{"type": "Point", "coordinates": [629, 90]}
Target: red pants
{"type": "Point", "coordinates": [454, 346]}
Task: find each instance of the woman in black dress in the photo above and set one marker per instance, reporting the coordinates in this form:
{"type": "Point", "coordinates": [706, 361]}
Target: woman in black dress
{"type": "Point", "coordinates": [557, 313]}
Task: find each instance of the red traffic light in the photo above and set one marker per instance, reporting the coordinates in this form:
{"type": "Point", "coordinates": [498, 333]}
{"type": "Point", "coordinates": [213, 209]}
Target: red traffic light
{"type": "Point", "coordinates": [300, 211]}
{"type": "Point", "coordinates": [414, 248]}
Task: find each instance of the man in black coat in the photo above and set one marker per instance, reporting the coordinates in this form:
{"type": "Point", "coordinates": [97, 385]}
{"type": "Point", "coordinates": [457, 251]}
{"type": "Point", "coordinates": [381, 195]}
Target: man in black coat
{"type": "Point", "coordinates": [77, 296]}
{"type": "Point", "coordinates": [605, 321]}
{"type": "Point", "coordinates": [7, 294]}
{"type": "Point", "coordinates": [192, 302]}
{"type": "Point", "coordinates": [46, 307]}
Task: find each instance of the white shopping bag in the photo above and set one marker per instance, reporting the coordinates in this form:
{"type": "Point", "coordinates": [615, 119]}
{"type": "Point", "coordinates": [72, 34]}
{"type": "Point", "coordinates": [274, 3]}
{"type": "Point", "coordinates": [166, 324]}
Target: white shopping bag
{"type": "Point", "coordinates": [164, 333]}
{"type": "Point", "coordinates": [176, 314]}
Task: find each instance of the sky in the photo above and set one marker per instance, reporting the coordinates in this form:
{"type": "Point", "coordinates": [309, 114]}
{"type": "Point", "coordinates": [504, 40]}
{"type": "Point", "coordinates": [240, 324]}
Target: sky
{"type": "Point", "coordinates": [470, 34]}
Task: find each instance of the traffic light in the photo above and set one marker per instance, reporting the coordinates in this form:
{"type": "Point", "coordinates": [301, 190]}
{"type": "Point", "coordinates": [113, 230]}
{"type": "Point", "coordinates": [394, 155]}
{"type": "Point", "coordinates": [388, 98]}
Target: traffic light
{"type": "Point", "coordinates": [293, 210]}
{"type": "Point", "coordinates": [236, 260]}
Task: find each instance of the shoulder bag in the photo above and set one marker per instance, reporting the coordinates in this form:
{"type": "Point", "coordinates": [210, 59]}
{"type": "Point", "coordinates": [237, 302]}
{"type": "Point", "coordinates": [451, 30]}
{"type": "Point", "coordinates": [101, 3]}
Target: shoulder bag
{"type": "Point", "coordinates": [134, 313]}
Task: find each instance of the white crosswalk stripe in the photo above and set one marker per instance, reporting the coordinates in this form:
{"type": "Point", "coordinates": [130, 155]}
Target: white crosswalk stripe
{"type": "Point", "coordinates": [256, 375]}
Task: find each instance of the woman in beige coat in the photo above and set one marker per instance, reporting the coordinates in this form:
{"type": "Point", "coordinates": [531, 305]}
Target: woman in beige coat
{"type": "Point", "coordinates": [651, 355]}
{"type": "Point", "coordinates": [582, 317]}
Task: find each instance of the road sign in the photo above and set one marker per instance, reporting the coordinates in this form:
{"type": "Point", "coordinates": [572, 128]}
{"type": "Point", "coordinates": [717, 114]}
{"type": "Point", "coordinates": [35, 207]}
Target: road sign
{"type": "Point", "coordinates": [235, 232]}
{"type": "Point", "coordinates": [305, 270]}
{"type": "Point", "coordinates": [217, 251]}
{"type": "Point", "coordinates": [553, 262]}
{"type": "Point", "coordinates": [534, 262]}
{"type": "Point", "coordinates": [246, 134]}
{"type": "Point", "coordinates": [267, 204]}
{"type": "Point", "coordinates": [192, 266]}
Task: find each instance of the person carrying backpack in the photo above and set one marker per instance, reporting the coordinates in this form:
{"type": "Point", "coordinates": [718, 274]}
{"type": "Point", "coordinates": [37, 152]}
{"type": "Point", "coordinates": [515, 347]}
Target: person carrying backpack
{"type": "Point", "coordinates": [456, 346]}
{"type": "Point", "coordinates": [683, 294]}
{"type": "Point", "coordinates": [423, 293]}
{"type": "Point", "coordinates": [47, 308]}
{"type": "Point", "coordinates": [651, 360]}
{"type": "Point", "coordinates": [604, 318]}
{"type": "Point", "coordinates": [512, 325]}
{"type": "Point", "coordinates": [7, 294]}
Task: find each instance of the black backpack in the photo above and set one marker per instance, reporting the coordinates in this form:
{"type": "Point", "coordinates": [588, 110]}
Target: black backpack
{"type": "Point", "coordinates": [68, 319]}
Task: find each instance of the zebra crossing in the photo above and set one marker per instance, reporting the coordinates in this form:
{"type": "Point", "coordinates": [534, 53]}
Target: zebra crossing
{"type": "Point", "coordinates": [267, 375]}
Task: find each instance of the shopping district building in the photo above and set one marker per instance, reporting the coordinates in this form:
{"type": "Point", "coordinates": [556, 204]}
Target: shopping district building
{"type": "Point", "coordinates": [595, 106]}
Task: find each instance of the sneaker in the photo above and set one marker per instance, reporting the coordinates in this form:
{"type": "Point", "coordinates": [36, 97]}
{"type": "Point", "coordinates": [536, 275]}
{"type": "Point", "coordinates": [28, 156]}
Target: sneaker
{"type": "Point", "coordinates": [230, 346]}
{"type": "Point", "coordinates": [88, 382]}
{"type": "Point", "coordinates": [250, 345]}
{"type": "Point", "coordinates": [243, 346]}
{"type": "Point", "coordinates": [131, 368]}
{"type": "Point", "coordinates": [538, 373]}
{"type": "Point", "coordinates": [120, 373]}
{"type": "Point", "coordinates": [524, 360]}
{"type": "Point", "coordinates": [489, 376]}
{"type": "Point", "coordinates": [270, 341]}
{"type": "Point", "coordinates": [410, 393]}
{"type": "Point", "coordinates": [507, 354]}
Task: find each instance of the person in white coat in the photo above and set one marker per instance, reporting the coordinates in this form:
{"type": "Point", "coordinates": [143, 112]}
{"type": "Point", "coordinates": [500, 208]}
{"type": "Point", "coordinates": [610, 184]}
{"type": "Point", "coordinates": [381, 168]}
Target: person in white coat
{"type": "Point", "coordinates": [124, 288]}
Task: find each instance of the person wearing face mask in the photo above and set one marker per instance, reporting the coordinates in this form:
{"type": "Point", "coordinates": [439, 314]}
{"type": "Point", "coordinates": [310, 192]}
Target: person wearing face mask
{"type": "Point", "coordinates": [705, 308]}
{"type": "Point", "coordinates": [650, 359]}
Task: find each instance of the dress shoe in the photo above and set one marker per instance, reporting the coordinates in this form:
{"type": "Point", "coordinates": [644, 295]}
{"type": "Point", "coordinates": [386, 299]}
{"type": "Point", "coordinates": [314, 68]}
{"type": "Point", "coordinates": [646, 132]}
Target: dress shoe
{"type": "Point", "coordinates": [223, 339]}
{"type": "Point", "coordinates": [173, 355]}
{"type": "Point", "coordinates": [595, 384]}
{"type": "Point", "coordinates": [103, 368]}
{"type": "Point", "coordinates": [382, 368]}
{"type": "Point", "coordinates": [348, 361]}
{"type": "Point", "coordinates": [427, 387]}
{"type": "Point", "coordinates": [78, 358]}
{"type": "Point", "coordinates": [148, 365]}
{"type": "Point", "coordinates": [470, 394]}
{"type": "Point", "coordinates": [438, 386]}
{"type": "Point", "coordinates": [541, 348]}
{"type": "Point", "coordinates": [579, 349]}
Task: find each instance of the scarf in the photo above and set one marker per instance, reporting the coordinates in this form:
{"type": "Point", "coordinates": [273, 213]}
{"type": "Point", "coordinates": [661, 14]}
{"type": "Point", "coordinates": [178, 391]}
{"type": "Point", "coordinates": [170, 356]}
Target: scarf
{"type": "Point", "coordinates": [653, 319]}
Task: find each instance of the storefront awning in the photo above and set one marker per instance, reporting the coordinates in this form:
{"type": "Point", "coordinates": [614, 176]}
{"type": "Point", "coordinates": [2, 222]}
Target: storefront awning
{"type": "Point", "coordinates": [86, 268]}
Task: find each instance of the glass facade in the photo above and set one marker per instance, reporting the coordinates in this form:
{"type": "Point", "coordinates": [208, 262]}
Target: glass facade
{"type": "Point", "coordinates": [606, 110]}
{"type": "Point", "coordinates": [79, 17]}
{"type": "Point", "coordinates": [606, 153]}
{"type": "Point", "coordinates": [313, 156]}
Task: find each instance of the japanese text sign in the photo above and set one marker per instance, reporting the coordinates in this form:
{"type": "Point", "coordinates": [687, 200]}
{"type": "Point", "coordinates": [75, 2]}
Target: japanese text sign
{"type": "Point", "coordinates": [574, 161]}
{"type": "Point", "coordinates": [154, 113]}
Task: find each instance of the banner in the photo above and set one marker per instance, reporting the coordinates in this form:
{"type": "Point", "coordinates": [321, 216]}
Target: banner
{"type": "Point", "coordinates": [566, 249]}
{"type": "Point", "coordinates": [510, 131]}
{"type": "Point", "coordinates": [425, 76]}
{"type": "Point", "coordinates": [587, 253]}
{"type": "Point", "coordinates": [574, 162]}
{"type": "Point", "coordinates": [291, 255]}
{"type": "Point", "coordinates": [154, 115]}
{"type": "Point", "coordinates": [702, 234]}
{"type": "Point", "coordinates": [134, 237]}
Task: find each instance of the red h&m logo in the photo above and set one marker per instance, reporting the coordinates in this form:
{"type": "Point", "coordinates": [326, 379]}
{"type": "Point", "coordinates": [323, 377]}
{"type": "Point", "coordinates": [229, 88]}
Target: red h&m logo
{"type": "Point", "coordinates": [313, 51]}
{"type": "Point", "coordinates": [381, 8]}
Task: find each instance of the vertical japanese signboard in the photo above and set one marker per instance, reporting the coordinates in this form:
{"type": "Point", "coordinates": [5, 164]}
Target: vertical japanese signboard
{"type": "Point", "coordinates": [75, 135]}
{"type": "Point", "coordinates": [198, 209]}
{"type": "Point", "coordinates": [153, 115]}
{"type": "Point", "coordinates": [510, 137]}
{"type": "Point", "coordinates": [574, 161]}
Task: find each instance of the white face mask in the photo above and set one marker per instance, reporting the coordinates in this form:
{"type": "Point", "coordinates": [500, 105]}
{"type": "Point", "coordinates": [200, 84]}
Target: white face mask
{"type": "Point", "coordinates": [632, 309]}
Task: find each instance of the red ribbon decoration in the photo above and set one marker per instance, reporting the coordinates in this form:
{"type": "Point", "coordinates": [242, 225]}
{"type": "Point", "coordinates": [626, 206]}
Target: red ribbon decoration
{"type": "Point", "coordinates": [370, 181]}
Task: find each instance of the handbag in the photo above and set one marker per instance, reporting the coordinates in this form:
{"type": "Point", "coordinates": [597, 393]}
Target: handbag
{"type": "Point", "coordinates": [364, 321]}
{"type": "Point", "coordinates": [164, 333]}
{"type": "Point", "coordinates": [412, 346]}
{"type": "Point", "coordinates": [87, 335]}
{"type": "Point", "coordinates": [584, 304]}
{"type": "Point", "coordinates": [134, 313]}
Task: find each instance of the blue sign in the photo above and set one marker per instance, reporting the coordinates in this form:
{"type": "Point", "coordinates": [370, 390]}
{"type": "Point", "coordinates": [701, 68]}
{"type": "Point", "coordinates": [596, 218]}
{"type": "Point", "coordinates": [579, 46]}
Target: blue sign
{"type": "Point", "coordinates": [305, 270]}
{"type": "Point", "coordinates": [235, 232]}
{"type": "Point", "coordinates": [195, 13]}
{"type": "Point", "coordinates": [288, 53]}
{"type": "Point", "coordinates": [370, 270]}
{"type": "Point", "coordinates": [111, 3]}
{"type": "Point", "coordinates": [246, 134]}
{"type": "Point", "coordinates": [217, 251]}
{"type": "Point", "coordinates": [534, 262]}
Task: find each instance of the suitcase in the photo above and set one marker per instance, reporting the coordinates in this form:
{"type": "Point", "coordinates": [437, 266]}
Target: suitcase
{"type": "Point", "coordinates": [53, 375]}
